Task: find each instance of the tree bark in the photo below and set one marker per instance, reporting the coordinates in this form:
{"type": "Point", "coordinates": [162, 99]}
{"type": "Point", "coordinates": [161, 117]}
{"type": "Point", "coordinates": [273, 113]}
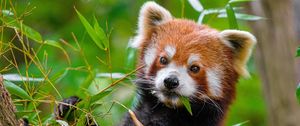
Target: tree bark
{"type": "Point", "coordinates": [275, 58]}
{"type": "Point", "coordinates": [7, 108]}
{"type": "Point", "coordinates": [297, 23]}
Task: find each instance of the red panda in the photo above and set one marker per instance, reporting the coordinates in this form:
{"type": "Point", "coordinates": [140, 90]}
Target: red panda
{"type": "Point", "coordinates": [183, 58]}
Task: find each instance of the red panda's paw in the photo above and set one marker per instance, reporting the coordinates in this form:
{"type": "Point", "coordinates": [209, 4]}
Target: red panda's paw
{"type": "Point", "coordinates": [65, 109]}
{"type": "Point", "coordinates": [24, 122]}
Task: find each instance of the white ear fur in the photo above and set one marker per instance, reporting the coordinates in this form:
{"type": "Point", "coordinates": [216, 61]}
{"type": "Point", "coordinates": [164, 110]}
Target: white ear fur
{"type": "Point", "coordinates": [242, 43]}
{"type": "Point", "coordinates": [151, 15]}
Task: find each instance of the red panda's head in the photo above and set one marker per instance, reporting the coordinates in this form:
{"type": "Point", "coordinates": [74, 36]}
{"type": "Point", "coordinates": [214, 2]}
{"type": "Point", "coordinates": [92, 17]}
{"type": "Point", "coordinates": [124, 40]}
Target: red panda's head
{"type": "Point", "coordinates": [183, 58]}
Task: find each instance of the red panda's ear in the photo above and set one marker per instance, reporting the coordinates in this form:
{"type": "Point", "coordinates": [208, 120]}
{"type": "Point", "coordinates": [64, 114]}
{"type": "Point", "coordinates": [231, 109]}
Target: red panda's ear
{"type": "Point", "coordinates": [151, 15]}
{"type": "Point", "coordinates": [242, 43]}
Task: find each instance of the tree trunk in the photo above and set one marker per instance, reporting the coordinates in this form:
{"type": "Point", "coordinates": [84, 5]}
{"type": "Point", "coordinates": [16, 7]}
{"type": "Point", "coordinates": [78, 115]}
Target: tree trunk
{"type": "Point", "coordinates": [275, 58]}
{"type": "Point", "coordinates": [7, 108]}
{"type": "Point", "coordinates": [297, 23]}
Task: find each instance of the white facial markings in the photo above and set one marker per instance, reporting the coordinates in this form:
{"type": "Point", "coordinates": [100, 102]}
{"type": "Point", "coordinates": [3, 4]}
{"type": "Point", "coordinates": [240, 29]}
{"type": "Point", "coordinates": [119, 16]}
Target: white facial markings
{"type": "Point", "coordinates": [149, 56]}
{"type": "Point", "coordinates": [187, 86]}
{"type": "Point", "coordinates": [170, 50]}
{"type": "Point", "coordinates": [193, 58]}
{"type": "Point", "coordinates": [214, 78]}
{"type": "Point", "coordinates": [164, 73]}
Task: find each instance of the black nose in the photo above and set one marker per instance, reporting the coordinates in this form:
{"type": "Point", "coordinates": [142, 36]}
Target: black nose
{"type": "Point", "coordinates": [171, 82]}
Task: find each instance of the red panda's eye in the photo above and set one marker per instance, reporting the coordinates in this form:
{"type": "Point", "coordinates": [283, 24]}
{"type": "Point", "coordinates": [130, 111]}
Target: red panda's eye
{"type": "Point", "coordinates": [194, 69]}
{"type": "Point", "coordinates": [163, 60]}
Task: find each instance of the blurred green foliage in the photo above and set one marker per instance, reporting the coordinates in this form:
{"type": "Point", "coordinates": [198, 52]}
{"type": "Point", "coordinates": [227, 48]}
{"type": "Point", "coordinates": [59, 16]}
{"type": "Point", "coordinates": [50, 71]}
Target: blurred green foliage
{"type": "Point", "coordinates": [298, 52]}
{"type": "Point", "coordinates": [54, 43]}
{"type": "Point", "coordinates": [298, 87]}
{"type": "Point", "coordinates": [298, 92]}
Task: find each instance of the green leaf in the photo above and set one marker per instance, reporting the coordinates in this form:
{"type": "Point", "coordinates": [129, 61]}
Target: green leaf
{"type": "Point", "coordinates": [59, 46]}
{"type": "Point", "coordinates": [81, 121]}
{"type": "Point", "coordinates": [84, 104]}
{"type": "Point", "coordinates": [54, 44]}
{"type": "Point", "coordinates": [92, 33]}
{"type": "Point", "coordinates": [7, 13]}
{"type": "Point", "coordinates": [240, 124]}
{"type": "Point", "coordinates": [214, 11]}
{"type": "Point", "coordinates": [20, 114]}
{"type": "Point", "coordinates": [59, 75]}
{"type": "Point", "coordinates": [231, 17]}
{"type": "Point", "coordinates": [62, 122]}
{"type": "Point", "coordinates": [96, 105]}
{"type": "Point", "coordinates": [99, 96]}
{"type": "Point", "coordinates": [298, 92]}
{"type": "Point", "coordinates": [185, 101]}
{"type": "Point", "coordinates": [86, 84]}
{"type": "Point", "coordinates": [16, 90]}
{"type": "Point", "coordinates": [298, 52]}
{"type": "Point", "coordinates": [131, 58]}
{"type": "Point", "coordinates": [239, 1]}
{"type": "Point", "coordinates": [24, 29]}
{"type": "Point", "coordinates": [100, 34]}
{"type": "Point", "coordinates": [48, 120]}
{"type": "Point", "coordinates": [208, 12]}
{"type": "Point", "coordinates": [31, 33]}
{"type": "Point", "coordinates": [196, 5]}
{"type": "Point", "coordinates": [241, 16]}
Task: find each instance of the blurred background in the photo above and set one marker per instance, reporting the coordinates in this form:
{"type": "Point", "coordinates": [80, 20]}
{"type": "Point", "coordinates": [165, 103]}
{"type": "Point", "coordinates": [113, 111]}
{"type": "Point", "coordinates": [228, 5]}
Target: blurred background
{"type": "Point", "coordinates": [71, 59]}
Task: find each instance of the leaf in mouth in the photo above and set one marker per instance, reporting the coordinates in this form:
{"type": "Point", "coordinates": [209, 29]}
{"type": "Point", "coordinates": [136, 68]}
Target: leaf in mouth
{"type": "Point", "coordinates": [185, 101]}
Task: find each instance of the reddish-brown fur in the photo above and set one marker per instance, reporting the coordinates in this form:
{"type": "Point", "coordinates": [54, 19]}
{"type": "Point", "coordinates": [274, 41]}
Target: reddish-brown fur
{"type": "Point", "coordinates": [221, 56]}
{"type": "Point", "coordinates": [191, 38]}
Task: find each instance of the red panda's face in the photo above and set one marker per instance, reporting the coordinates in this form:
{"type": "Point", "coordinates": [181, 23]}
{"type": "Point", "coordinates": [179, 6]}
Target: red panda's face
{"type": "Point", "coordinates": [186, 59]}
{"type": "Point", "coordinates": [183, 58]}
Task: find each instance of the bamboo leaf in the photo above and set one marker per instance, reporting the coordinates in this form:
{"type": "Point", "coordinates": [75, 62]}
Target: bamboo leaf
{"type": "Point", "coordinates": [196, 5]}
{"type": "Point", "coordinates": [16, 90]}
{"type": "Point", "coordinates": [110, 75]}
{"type": "Point", "coordinates": [99, 96]}
{"type": "Point", "coordinates": [62, 123]}
{"type": "Point", "coordinates": [240, 124]}
{"type": "Point", "coordinates": [231, 17]}
{"type": "Point", "coordinates": [85, 104]}
{"type": "Point", "coordinates": [298, 52]}
{"type": "Point", "coordinates": [24, 29]}
{"type": "Point", "coordinates": [17, 77]}
{"type": "Point", "coordinates": [31, 33]}
{"type": "Point", "coordinates": [185, 101]}
{"type": "Point", "coordinates": [7, 13]}
{"type": "Point", "coordinates": [20, 114]}
{"type": "Point", "coordinates": [85, 85]}
{"type": "Point", "coordinates": [298, 92]}
{"type": "Point", "coordinates": [239, 1]}
{"type": "Point", "coordinates": [100, 34]}
{"type": "Point", "coordinates": [59, 46]}
{"type": "Point", "coordinates": [131, 58]}
{"type": "Point", "coordinates": [92, 33]}
{"type": "Point", "coordinates": [54, 44]}
{"type": "Point", "coordinates": [81, 120]}
{"type": "Point", "coordinates": [214, 11]}
{"type": "Point", "coordinates": [59, 75]}
{"type": "Point", "coordinates": [241, 16]}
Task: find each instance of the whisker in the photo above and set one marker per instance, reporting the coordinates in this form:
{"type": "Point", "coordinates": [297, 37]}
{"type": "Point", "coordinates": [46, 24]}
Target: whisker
{"type": "Point", "coordinates": [204, 98]}
{"type": "Point", "coordinates": [156, 105]}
